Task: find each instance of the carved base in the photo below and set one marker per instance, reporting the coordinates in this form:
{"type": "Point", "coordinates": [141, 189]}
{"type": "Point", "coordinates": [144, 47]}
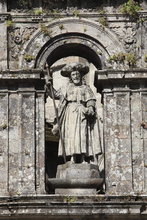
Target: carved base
{"type": "Point", "coordinates": [76, 179]}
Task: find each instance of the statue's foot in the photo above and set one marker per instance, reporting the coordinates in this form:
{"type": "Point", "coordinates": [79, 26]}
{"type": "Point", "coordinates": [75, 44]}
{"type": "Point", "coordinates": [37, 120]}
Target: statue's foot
{"type": "Point", "coordinates": [84, 162]}
{"type": "Point", "coordinates": [72, 159]}
{"type": "Point", "coordinates": [83, 159]}
{"type": "Point", "coordinates": [93, 162]}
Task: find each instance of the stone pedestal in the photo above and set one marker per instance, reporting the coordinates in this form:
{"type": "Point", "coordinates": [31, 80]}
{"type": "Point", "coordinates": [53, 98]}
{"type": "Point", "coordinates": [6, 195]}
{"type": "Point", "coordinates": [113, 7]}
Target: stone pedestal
{"type": "Point", "coordinates": [76, 179]}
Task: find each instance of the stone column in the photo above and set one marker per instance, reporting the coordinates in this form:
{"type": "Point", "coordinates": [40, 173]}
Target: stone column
{"type": "Point", "coordinates": [125, 123]}
{"type": "Point", "coordinates": [22, 163]}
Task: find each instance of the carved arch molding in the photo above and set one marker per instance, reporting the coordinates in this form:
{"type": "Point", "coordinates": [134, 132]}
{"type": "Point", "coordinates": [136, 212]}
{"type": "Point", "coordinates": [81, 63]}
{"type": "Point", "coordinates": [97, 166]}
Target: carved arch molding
{"type": "Point", "coordinates": [69, 37]}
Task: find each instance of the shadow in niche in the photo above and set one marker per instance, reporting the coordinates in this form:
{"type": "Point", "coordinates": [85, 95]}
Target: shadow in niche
{"type": "Point", "coordinates": [51, 161]}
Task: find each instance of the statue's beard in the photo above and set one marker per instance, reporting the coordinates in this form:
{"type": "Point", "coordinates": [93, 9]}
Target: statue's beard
{"type": "Point", "coordinates": [77, 81]}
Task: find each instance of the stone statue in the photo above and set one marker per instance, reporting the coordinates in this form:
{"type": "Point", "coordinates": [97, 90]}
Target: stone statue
{"type": "Point", "coordinates": [77, 117]}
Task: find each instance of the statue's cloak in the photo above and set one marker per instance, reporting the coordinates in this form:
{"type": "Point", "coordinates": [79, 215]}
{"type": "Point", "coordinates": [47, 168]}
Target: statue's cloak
{"type": "Point", "coordinates": [79, 131]}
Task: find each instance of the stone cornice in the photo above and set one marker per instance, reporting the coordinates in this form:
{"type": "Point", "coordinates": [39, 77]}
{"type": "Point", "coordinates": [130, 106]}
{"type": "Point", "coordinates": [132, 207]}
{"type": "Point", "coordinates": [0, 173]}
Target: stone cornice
{"type": "Point", "coordinates": [111, 78]}
{"type": "Point", "coordinates": [22, 74]}
{"type": "Point", "coordinates": [121, 74]}
{"type": "Point", "coordinates": [55, 206]}
{"type": "Point", "coordinates": [115, 17]}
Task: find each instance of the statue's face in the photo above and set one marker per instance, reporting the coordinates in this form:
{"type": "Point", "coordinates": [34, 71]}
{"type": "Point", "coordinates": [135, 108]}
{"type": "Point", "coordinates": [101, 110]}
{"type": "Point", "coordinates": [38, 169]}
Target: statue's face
{"type": "Point", "coordinates": [76, 77]}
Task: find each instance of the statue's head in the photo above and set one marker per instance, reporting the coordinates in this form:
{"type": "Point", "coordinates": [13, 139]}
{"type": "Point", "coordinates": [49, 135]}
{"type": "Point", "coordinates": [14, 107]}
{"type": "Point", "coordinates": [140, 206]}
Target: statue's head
{"type": "Point", "coordinates": [75, 71]}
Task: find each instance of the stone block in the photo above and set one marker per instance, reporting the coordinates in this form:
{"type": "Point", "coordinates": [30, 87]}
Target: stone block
{"type": "Point", "coordinates": [77, 171]}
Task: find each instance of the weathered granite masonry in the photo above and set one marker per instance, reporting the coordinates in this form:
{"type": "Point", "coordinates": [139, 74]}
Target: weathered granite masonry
{"type": "Point", "coordinates": [35, 32]}
{"type": "Point", "coordinates": [21, 133]}
{"type": "Point", "coordinates": [125, 97]}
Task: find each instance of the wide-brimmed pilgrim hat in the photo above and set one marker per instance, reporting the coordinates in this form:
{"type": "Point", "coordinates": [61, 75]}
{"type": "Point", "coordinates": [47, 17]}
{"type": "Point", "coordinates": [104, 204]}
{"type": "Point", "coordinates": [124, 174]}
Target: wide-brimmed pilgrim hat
{"type": "Point", "coordinates": [69, 68]}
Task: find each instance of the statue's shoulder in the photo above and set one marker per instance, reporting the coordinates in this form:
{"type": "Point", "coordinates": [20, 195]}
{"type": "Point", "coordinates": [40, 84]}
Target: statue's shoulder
{"type": "Point", "coordinates": [88, 92]}
{"type": "Point", "coordinates": [86, 88]}
{"type": "Point", "coordinates": [65, 89]}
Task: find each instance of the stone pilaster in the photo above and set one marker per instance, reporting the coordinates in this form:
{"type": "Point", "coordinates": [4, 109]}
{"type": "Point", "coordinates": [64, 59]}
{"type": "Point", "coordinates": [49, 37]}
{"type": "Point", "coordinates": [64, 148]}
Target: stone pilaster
{"type": "Point", "coordinates": [22, 163]}
{"type": "Point", "coordinates": [117, 139]}
{"type": "Point", "coordinates": [125, 100]}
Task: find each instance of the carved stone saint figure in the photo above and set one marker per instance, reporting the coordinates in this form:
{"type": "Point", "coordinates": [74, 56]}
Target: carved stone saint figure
{"type": "Point", "coordinates": [79, 139]}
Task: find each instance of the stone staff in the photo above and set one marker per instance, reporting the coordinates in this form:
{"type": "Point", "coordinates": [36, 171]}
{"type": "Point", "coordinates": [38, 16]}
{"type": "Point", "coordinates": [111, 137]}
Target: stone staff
{"type": "Point", "coordinates": [56, 110]}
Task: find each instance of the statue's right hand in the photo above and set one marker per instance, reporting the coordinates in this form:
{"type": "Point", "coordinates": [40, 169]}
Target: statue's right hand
{"type": "Point", "coordinates": [55, 129]}
{"type": "Point", "coordinates": [49, 81]}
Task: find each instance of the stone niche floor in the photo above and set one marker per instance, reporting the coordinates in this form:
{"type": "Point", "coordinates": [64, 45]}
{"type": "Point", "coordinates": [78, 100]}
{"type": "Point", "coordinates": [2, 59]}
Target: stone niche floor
{"type": "Point", "coordinates": [100, 207]}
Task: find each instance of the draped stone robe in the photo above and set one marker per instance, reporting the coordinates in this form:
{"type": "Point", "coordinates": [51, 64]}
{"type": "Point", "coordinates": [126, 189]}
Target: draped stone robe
{"type": "Point", "coordinates": [78, 129]}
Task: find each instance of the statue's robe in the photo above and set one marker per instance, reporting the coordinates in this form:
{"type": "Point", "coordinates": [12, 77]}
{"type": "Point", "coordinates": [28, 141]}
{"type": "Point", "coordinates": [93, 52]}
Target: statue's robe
{"type": "Point", "coordinates": [79, 131]}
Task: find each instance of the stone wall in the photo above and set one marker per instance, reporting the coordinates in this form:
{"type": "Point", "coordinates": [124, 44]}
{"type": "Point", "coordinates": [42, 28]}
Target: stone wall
{"type": "Point", "coordinates": [112, 42]}
{"type": "Point", "coordinates": [109, 40]}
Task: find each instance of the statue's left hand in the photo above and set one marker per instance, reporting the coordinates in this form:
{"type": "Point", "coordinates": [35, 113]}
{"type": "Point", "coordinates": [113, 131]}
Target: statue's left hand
{"type": "Point", "coordinates": [90, 111]}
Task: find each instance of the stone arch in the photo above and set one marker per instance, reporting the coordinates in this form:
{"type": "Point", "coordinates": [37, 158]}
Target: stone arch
{"type": "Point", "coordinates": [71, 36]}
{"type": "Point", "coordinates": [70, 44]}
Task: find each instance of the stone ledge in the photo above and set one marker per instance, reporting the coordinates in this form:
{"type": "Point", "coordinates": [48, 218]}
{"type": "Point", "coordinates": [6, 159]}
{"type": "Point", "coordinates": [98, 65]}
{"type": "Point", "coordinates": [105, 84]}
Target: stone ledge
{"type": "Point", "coordinates": [34, 19]}
{"type": "Point", "coordinates": [121, 74]}
{"type": "Point", "coordinates": [109, 77]}
{"type": "Point", "coordinates": [70, 206]}
{"type": "Point", "coordinates": [22, 74]}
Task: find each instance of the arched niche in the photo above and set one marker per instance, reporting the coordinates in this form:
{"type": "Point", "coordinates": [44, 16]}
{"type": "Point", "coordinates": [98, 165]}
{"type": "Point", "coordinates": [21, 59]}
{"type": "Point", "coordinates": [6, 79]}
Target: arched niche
{"type": "Point", "coordinates": [68, 37]}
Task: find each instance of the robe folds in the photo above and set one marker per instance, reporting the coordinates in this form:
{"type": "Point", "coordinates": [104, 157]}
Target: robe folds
{"type": "Point", "coordinates": [79, 130]}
